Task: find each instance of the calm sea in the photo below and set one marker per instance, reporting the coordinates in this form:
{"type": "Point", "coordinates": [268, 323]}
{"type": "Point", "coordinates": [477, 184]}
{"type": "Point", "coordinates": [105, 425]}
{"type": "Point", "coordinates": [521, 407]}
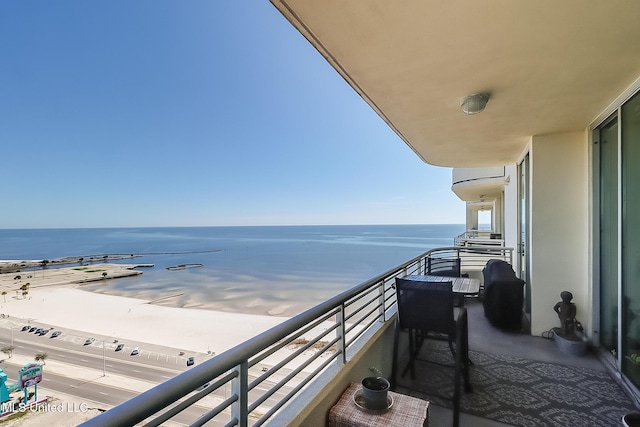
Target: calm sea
{"type": "Point", "coordinates": [263, 270]}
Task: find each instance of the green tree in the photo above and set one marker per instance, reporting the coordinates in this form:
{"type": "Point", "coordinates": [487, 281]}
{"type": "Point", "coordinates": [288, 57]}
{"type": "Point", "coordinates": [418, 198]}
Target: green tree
{"type": "Point", "coordinates": [8, 350]}
{"type": "Point", "coordinates": [44, 263]}
{"type": "Point", "coordinates": [41, 357]}
{"type": "Point", "coordinates": [25, 289]}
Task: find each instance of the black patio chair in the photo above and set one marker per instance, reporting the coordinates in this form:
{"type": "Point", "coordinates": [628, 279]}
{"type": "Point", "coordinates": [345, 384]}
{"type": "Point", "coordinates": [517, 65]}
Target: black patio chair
{"type": "Point", "coordinates": [447, 267]}
{"type": "Point", "coordinates": [426, 311]}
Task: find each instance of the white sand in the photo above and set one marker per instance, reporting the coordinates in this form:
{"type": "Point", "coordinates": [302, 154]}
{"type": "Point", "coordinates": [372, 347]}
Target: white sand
{"type": "Point", "coordinates": [54, 300]}
{"type": "Point", "coordinates": [133, 319]}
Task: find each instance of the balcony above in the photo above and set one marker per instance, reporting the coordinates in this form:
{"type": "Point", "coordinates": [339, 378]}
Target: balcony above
{"type": "Point", "coordinates": [547, 65]}
{"type": "Point", "coordinates": [479, 185]}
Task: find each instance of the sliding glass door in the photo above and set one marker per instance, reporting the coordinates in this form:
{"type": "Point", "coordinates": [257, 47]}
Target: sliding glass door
{"type": "Point", "coordinates": [630, 239]}
{"type": "Point", "coordinates": [608, 191]}
{"type": "Point", "coordinates": [617, 164]}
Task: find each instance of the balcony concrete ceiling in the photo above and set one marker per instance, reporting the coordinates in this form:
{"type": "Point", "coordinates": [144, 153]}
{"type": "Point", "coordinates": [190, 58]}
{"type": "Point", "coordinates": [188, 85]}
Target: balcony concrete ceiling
{"type": "Point", "coordinates": [550, 66]}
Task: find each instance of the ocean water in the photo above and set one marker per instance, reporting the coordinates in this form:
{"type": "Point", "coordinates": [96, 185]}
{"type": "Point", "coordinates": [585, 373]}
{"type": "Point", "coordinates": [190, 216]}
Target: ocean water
{"type": "Point", "coordinates": [279, 270]}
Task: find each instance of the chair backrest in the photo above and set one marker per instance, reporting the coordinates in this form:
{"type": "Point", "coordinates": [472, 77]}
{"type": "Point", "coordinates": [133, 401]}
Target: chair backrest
{"type": "Point", "coordinates": [427, 306]}
{"type": "Point", "coordinates": [448, 267]}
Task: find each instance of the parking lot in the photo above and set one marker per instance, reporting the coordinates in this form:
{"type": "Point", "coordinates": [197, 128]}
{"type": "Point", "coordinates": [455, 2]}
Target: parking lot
{"type": "Point", "coordinates": [115, 347]}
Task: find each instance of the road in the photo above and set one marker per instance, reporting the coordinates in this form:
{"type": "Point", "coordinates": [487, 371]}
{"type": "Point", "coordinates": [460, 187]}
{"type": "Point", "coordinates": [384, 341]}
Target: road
{"type": "Point", "coordinates": [85, 368]}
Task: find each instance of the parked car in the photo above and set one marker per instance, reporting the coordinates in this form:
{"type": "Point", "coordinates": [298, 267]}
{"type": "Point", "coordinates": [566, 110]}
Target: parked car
{"type": "Point", "coordinates": [32, 329]}
{"type": "Point", "coordinates": [88, 341]}
{"type": "Point", "coordinates": [119, 347]}
{"type": "Point", "coordinates": [190, 361]}
{"type": "Point", "coordinates": [135, 351]}
{"type": "Point", "coordinates": [44, 332]}
{"type": "Point", "coordinates": [55, 334]}
{"type": "Point", "coordinates": [26, 328]}
{"type": "Point", "coordinates": [37, 331]}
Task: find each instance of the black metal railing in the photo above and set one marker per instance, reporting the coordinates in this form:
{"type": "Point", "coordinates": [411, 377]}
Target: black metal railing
{"type": "Point", "coordinates": [251, 382]}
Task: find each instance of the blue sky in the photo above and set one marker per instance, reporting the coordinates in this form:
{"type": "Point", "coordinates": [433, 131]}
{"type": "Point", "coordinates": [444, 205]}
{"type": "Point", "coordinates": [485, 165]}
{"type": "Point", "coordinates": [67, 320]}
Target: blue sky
{"type": "Point", "coordinates": [167, 113]}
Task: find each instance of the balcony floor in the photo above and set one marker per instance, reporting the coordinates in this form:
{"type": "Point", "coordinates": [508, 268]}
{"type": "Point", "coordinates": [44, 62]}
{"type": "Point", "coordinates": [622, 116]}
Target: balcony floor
{"type": "Point", "coordinates": [485, 338]}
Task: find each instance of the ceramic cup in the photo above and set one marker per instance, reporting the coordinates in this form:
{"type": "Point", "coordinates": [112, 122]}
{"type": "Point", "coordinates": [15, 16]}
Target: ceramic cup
{"type": "Point", "coordinates": [374, 392]}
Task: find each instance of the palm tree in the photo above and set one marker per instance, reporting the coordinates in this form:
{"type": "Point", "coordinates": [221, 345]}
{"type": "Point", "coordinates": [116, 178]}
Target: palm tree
{"type": "Point", "coordinates": [25, 289]}
{"type": "Point", "coordinates": [8, 350]}
{"type": "Point", "coordinates": [41, 357]}
{"type": "Point", "coordinates": [44, 263]}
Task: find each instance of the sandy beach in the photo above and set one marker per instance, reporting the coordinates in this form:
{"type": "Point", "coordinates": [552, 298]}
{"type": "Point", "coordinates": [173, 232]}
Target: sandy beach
{"type": "Point", "coordinates": [55, 297]}
{"type": "Point", "coordinates": [72, 296]}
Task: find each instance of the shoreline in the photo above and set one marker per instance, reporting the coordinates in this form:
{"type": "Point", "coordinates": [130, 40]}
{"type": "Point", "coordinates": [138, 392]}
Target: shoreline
{"type": "Point", "coordinates": [16, 265]}
{"type": "Point", "coordinates": [55, 297]}
{"type": "Point", "coordinates": [93, 276]}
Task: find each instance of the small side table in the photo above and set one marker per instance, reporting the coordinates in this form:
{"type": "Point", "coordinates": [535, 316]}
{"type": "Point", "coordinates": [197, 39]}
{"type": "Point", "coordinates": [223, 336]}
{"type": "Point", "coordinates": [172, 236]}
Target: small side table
{"type": "Point", "coordinates": [406, 411]}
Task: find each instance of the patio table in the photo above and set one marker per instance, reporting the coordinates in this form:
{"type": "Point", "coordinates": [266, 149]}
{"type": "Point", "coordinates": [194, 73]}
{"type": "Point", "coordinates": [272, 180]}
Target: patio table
{"type": "Point", "coordinates": [406, 411]}
{"type": "Point", "coordinates": [464, 286]}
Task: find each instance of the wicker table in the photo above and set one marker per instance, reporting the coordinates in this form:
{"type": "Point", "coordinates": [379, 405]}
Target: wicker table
{"type": "Point", "coordinates": [406, 411]}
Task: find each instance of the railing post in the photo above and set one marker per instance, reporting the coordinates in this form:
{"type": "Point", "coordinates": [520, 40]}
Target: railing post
{"type": "Point", "coordinates": [240, 388]}
{"type": "Point", "coordinates": [381, 307]}
{"type": "Point", "coordinates": [342, 339]}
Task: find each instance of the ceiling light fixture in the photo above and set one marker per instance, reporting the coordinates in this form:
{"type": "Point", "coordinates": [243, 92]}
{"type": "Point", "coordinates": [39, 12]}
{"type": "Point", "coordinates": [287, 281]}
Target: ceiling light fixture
{"type": "Point", "coordinates": [473, 104]}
